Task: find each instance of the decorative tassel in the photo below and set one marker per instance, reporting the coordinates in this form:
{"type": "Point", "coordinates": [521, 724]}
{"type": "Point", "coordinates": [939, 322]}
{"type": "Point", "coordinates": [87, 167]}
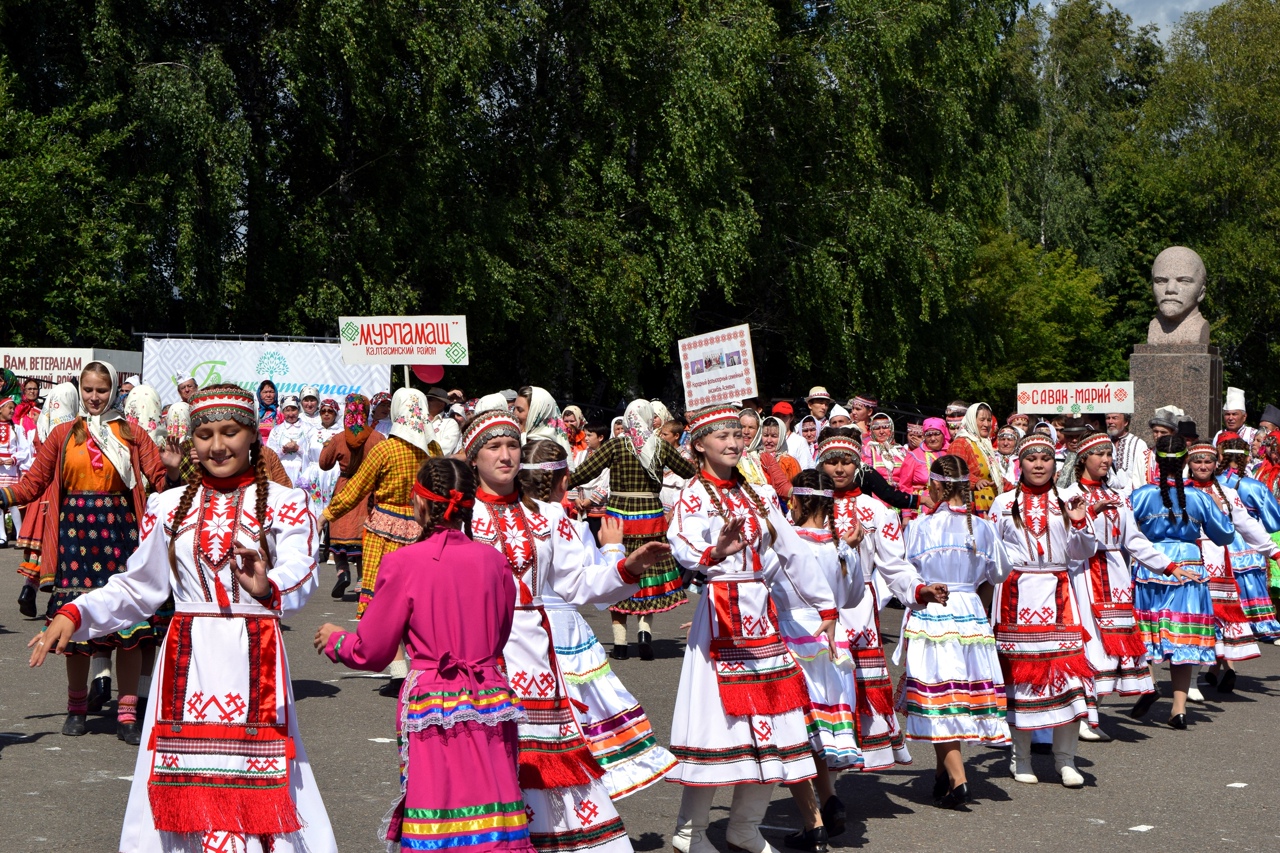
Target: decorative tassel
{"type": "Point", "coordinates": [545, 770]}
{"type": "Point", "coordinates": [1039, 548]}
{"type": "Point", "coordinates": [1229, 610]}
{"type": "Point", "coordinates": [875, 701]}
{"type": "Point", "coordinates": [1042, 672]}
{"type": "Point", "coordinates": [247, 811]}
{"type": "Point", "coordinates": [764, 699]}
{"type": "Point", "coordinates": [1125, 643]}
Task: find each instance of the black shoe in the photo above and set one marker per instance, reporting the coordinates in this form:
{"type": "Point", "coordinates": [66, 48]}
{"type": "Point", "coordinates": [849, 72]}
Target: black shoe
{"type": "Point", "coordinates": [941, 785]}
{"type": "Point", "coordinates": [956, 797]}
{"type": "Point", "coordinates": [391, 689]}
{"type": "Point", "coordinates": [27, 601]}
{"type": "Point", "coordinates": [833, 816]}
{"type": "Point", "coordinates": [1179, 722]}
{"type": "Point", "coordinates": [1211, 676]}
{"type": "Point", "coordinates": [1143, 705]}
{"type": "Point", "coordinates": [646, 645]}
{"type": "Point", "coordinates": [813, 840]}
{"type": "Point", "coordinates": [1228, 682]}
{"type": "Point", "coordinates": [4, 544]}
{"type": "Point", "coordinates": [99, 693]}
{"type": "Point", "coordinates": [130, 733]}
{"type": "Point", "coordinates": [74, 725]}
{"type": "Point", "coordinates": [619, 651]}
{"type": "Point", "coordinates": [339, 588]}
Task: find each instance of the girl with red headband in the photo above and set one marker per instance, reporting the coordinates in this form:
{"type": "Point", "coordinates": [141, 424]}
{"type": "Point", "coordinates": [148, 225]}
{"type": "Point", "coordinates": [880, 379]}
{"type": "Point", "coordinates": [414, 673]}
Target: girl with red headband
{"type": "Point", "coordinates": [570, 810]}
{"type": "Point", "coordinates": [1036, 612]}
{"type": "Point", "coordinates": [1113, 644]}
{"type": "Point", "coordinates": [222, 765]}
{"type": "Point", "coordinates": [739, 719]}
{"type": "Point", "coordinates": [450, 602]}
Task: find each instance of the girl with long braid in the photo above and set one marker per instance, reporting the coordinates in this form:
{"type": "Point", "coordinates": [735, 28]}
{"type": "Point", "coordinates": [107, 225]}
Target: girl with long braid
{"type": "Point", "coordinates": [1250, 549]}
{"type": "Point", "coordinates": [450, 602]}
{"type": "Point", "coordinates": [739, 719]}
{"type": "Point", "coordinates": [886, 570]}
{"type": "Point", "coordinates": [1174, 606]}
{"type": "Point", "coordinates": [570, 810]}
{"type": "Point", "coordinates": [1113, 644]}
{"type": "Point", "coordinates": [616, 727]}
{"type": "Point", "coordinates": [953, 691]}
{"type": "Point", "coordinates": [1037, 612]}
{"type": "Point", "coordinates": [222, 765]}
{"type": "Point", "coordinates": [832, 692]}
{"type": "Point", "coordinates": [1261, 506]}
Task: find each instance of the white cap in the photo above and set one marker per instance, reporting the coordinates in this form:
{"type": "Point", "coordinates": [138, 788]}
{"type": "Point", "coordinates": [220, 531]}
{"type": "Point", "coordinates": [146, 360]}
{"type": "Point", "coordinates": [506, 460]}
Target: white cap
{"type": "Point", "coordinates": [132, 380]}
{"type": "Point", "coordinates": [838, 411]}
{"type": "Point", "coordinates": [310, 391]}
{"type": "Point", "coordinates": [291, 400]}
{"type": "Point", "coordinates": [184, 378]}
{"type": "Point", "coordinates": [1235, 400]}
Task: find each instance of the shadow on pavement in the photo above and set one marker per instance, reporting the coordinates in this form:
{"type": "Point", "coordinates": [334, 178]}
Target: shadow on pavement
{"type": "Point", "coordinates": [310, 689]}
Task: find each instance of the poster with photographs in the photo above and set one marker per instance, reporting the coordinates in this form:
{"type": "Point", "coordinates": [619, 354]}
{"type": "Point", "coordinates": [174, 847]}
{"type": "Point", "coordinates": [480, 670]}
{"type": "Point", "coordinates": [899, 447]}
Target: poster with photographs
{"type": "Point", "coordinates": [718, 367]}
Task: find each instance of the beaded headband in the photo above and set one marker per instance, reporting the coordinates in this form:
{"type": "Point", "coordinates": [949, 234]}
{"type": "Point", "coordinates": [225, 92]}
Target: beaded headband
{"type": "Point", "coordinates": [554, 465]}
{"type": "Point", "coordinates": [1034, 443]}
{"type": "Point", "coordinates": [709, 420]}
{"type": "Point", "coordinates": [943, 478]}
{"type": "Point", "coordinates": [1235, 451]}
{"type": "Point", "coordinates": [486, 426]}
{"type": "Point", "coordinates": [1202, 447]}
{"type": "Point", "coordinates": [881, 417]}
{"type": "Point", "coordinates": [805, 491]}
{"type": "Point", "coordinates": [1173, 455]}
{"type": "Point", "coordinates": [1097, 441]}
{"type": "Point", "coordinates": [866, 401]}
{"type": "Point", "coordinates": [915, 429]}
{"type": "Point", "coordinates": [837, 445]}
{"type": "Point", "coordinates": [223, 404]}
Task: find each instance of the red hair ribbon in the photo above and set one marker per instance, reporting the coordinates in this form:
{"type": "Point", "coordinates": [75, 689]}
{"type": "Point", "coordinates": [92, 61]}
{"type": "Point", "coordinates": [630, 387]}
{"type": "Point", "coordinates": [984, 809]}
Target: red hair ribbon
{"type": "Point", "coordinates": [456, 499]}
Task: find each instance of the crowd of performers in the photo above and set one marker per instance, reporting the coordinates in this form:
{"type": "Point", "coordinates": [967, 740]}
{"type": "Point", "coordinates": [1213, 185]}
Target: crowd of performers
{"type": "Point", "coordinates": [1040, 570]}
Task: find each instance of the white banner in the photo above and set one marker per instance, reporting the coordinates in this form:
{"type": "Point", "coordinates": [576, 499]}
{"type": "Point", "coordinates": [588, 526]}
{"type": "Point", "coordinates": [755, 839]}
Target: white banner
{"type": "Point", "coordinates": [246, 363]}
{"type": "Point", "coordinates": [62, 364]}
{"type": "Point", "coordinates": [1075, 398]}
{"type": "Point", "coordinates": [718, 367]}
{"type": "Point", "coordinates": [404, 340]}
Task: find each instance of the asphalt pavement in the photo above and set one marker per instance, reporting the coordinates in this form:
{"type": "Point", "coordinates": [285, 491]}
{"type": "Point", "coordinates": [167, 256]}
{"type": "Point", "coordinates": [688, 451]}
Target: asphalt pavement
{"type": "Point", "coordinates": [1213, 786]}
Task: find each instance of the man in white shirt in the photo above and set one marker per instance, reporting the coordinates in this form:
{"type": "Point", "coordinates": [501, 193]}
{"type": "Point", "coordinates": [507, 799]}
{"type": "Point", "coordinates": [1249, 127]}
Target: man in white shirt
{"type": "Point", "coordinates": [1131, 451]}
{"type": "Point", "coordinates": [1233, 417]}
{"type": "Point", "coordinates": [448, 435]}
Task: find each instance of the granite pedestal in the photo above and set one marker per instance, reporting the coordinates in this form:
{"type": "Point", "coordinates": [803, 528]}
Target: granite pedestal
{"type": "Point", "coordinates": [1188, 376]}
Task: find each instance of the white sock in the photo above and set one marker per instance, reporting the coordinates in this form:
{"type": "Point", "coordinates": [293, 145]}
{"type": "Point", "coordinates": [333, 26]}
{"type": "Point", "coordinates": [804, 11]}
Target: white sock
{"type": "Point", "coordinates": [398, 669]}
{"type": "Point", "coordinates": [99, 667]}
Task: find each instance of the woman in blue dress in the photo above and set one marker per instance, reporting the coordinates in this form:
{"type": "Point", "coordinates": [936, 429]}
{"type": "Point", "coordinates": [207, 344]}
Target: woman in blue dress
{"type": "Point", "coordinates": [1173, 607]}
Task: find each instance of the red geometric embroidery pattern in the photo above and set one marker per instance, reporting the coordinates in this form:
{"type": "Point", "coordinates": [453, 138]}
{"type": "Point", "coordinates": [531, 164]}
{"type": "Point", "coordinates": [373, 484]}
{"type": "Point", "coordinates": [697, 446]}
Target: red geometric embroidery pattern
{"type": "Point", "coordinates": [263, 764]}
{"type": "Point", "coordinates": [566, 531]}
{"type": "Point", "coordinates": [522, 683]}
{"type": "Point", "coordinates": [292, 514]}
{"type": "Point", "coordinates": [762, 729]}
{"type": "Point", "coordinates": [546, 684]}
{"type": "Point", "coordinates": [222, 842]}
{"type": "Point", "coordinates": [199, 707]}
{"type": "Point", "coordinates": [170, 761]}
{"type": "Point", "coordinates": [587, 811]}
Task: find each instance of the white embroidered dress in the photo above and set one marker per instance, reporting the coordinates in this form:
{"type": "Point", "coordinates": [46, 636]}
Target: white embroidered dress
{"type": "Point", "coordinates": [735, 659]}
{"type": "Point", "coordinates": [569, 807]}
{"type": "Point", "coordinates": [296, 463]}
{"type": "Point", "coordinates": [222, 766]}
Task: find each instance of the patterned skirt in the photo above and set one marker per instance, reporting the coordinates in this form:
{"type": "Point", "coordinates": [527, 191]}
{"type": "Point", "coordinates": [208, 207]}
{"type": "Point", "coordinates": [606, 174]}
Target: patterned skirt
{"type": "Point", "coordinates": [1176, 620]}
{"type": "Point", "coordinates": [389, 529]}
{"type": "Point", "coordinates": [642, 522]}
{"type": "Point", "coordinates": [97, 533]}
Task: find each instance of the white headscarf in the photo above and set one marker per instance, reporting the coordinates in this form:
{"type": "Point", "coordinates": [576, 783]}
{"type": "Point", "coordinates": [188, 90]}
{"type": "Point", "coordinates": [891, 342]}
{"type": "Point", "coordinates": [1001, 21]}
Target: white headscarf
{"type": "Point", "coordinates": [661, 412]}
{"type": "Point", "coordinates": [142, 409]}
{"type": "Point", "coordinates": [491, 403]}
{"type": "Point", "coordinates": [61, 404]}
{"type": "Point", "coordinates": [177, 421]}
{"type": "Point", "coordinates": [543, 420]}
{"type": "Point", "coordinates": [757, 441]}
{"type": "Point", "coordinates": [969, 429]}
{"type": "Point", "coordinates": [410, 422]}
{"type": "Point", "coordinates": [642, 438]}
{"type": "Point", "coordinates": [100, 431]}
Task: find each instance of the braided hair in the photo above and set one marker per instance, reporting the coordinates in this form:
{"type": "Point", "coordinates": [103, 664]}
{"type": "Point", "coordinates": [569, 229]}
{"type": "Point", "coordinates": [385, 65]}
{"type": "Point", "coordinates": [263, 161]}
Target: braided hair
{"type": "Point", "coordinates": [714, 493]}
{"type": "Point", "coordinates": [541, 484]}
{"type": "Point", "coordinates": [809, 507]}
{"type": "Point", "coordinates": [443, 475]}
{"type": "Point", "coordinates": [1171, 454]}
{"type": "Point", "coordinates": [1225, 448]}
{"type": "Point", "coordinates": [955, 468]}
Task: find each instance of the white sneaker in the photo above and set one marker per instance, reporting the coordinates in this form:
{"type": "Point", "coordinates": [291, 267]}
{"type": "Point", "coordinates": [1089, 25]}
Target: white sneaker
{"type": "Point", "coordinates": [1071, 777]}
{"type": "Point", "coordinates": [1091, 734]}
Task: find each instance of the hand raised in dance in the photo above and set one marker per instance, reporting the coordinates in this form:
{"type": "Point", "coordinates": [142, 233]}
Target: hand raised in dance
{"type": "Point", "coordinates": [251, 571]}
{"type": "Point", "coordinates": [730, 540]}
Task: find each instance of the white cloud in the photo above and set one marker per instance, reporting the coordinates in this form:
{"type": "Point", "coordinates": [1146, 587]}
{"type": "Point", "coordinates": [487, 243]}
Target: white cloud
{"type": "Point", "coordinates": [1162, 13]}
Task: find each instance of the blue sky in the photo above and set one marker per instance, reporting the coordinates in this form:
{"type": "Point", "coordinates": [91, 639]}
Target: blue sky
{"type": "Point", "coordinates": [1162, 13]}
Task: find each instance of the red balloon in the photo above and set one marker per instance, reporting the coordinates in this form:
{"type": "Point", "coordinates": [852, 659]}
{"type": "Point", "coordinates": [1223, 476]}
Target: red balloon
{"type": "Point", "coordinates": [429, 373]}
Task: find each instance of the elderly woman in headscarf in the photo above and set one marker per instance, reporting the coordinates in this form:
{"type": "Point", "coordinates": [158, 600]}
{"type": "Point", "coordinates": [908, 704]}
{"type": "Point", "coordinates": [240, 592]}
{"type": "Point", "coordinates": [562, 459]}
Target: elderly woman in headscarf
{"type": "Point", "coordinates": [637, 461]}
{"type": "Point", "coordinates": [913, 477]}
{"type": "Point", "coordinates": [539, 415]}
{"type": "Point", "coordinates": [880, 451]}
{"type": "Point", "coordinates": [973, 444]}
{"type": "Point", "coordinates": [574, 423]}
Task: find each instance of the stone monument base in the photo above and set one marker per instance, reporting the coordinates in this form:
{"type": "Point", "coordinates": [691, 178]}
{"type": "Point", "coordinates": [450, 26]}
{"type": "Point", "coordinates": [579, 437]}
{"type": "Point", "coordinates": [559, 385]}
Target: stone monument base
{"type": "Point", "coordinates": [1188, 376]}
